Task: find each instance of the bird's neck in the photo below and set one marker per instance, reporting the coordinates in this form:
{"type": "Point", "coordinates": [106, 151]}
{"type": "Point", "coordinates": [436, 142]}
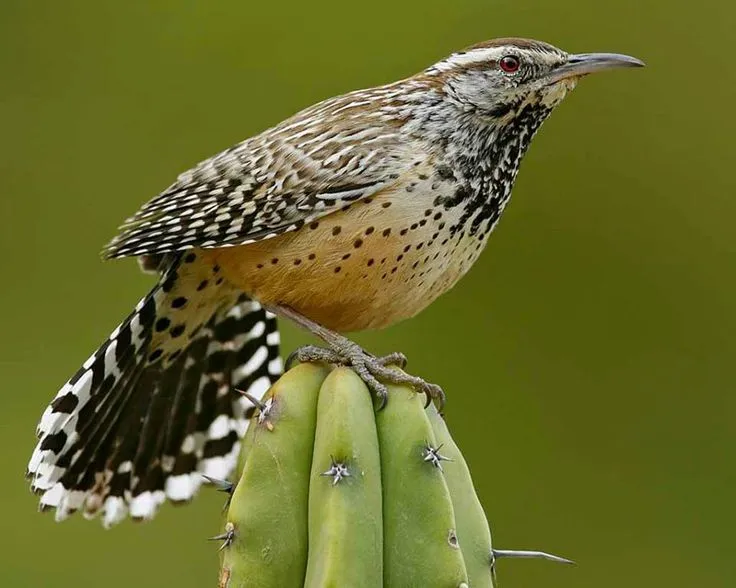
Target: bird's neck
{"type": "Point", "coordinates": [484, 153]}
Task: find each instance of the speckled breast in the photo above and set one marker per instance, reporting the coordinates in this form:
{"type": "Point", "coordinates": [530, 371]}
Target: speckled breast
{"type": "Point", "coordinates": [373, 263]}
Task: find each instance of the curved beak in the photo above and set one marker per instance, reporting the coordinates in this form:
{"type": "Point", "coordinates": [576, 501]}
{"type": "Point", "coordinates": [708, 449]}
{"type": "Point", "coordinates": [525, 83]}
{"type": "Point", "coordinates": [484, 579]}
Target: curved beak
{"type": "Point", "coordinates": [586, 63]}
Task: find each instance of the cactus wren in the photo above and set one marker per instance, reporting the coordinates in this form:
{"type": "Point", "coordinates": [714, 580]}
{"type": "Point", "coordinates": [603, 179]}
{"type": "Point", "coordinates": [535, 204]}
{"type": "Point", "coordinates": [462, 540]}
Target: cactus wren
{"type": "Point", "coordinates": [353, 214]}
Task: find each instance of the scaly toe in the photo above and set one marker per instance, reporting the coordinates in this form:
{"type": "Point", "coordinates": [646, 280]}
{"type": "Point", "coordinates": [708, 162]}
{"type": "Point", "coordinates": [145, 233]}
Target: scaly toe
{"type": "Point", "coordinates": [371, 369]}
{"type": "Point", "coordinates": [397, 358]}
{"type": "Point", "coordinates": [309, 353]}
{"type": "Point", "coordinates": [432, 391]}
{"type": "Point", "coordinates": [380, 391]}
{"type": "Point", "coordinates": [361, 364]}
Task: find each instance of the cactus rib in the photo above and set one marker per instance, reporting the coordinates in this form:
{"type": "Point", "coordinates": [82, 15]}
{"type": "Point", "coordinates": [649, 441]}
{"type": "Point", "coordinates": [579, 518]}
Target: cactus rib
{"type": "Point", "coordinates": [420, 543]}
{"type": "Point", "coordinates": [473, 532]}
{"type": "Point", "coordinates": [345, 517]}
{"type": "Point", "coordinates": [269, 507]}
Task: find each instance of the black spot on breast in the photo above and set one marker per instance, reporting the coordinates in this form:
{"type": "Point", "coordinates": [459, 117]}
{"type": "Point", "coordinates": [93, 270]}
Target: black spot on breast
{"type": "Point", "coordinates": [462, 193]}
{"type": "Point", "coordinates": [445, 172]}
{"type": "Point", "coordinates": [162, 324]}
{"type": "Point", "coordinates": [178, 302]}
{"type": "Point", "coordinates": [177, 331]}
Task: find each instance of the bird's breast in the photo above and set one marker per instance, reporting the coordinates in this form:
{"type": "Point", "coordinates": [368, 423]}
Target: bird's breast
{"type": "Point", "coordinates": [371, 264]}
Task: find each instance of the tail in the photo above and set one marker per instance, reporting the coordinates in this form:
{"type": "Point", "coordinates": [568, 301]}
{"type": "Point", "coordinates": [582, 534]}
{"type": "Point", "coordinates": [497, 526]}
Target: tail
{"type": "Point", "coordinates": [155, 407]}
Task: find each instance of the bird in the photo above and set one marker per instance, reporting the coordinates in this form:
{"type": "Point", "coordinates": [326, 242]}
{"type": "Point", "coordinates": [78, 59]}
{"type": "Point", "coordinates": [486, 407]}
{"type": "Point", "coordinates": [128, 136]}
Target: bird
{"type": "Point", "coordinates": [353, 214]}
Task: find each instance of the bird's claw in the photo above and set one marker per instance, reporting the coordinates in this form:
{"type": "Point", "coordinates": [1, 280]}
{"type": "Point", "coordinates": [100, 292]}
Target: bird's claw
{"type": "Point", "coordinates": [396, 358]}
{"type": "Point", "coordinates": [371, 369]}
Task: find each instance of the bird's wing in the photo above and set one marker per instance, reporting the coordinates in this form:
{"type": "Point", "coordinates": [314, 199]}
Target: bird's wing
{"type": "Point", "coordinates": [269, 185]}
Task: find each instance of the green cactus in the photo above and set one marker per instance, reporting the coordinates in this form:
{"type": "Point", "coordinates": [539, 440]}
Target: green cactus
{"type": "Point", "coordinates": [332, 493]}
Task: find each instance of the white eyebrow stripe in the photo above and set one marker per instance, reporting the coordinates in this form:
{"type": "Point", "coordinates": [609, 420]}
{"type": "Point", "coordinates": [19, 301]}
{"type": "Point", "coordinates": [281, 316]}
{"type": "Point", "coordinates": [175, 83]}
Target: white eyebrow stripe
{"type": "Point", "coordinates": [480, 55]}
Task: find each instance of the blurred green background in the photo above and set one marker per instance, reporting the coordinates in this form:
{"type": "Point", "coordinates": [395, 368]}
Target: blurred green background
{"type": "Point", "coordinates": [588, 356]}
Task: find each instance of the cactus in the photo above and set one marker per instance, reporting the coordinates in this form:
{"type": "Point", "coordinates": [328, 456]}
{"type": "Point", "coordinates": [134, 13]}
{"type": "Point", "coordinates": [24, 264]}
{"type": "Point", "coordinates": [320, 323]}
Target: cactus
{"type": "Point", "coordinates": [332, 493]}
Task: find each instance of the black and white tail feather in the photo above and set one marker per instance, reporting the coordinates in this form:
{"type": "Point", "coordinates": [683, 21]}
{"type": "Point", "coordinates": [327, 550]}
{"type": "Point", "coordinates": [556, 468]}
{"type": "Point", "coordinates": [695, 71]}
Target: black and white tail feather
{"type": "Point", "coordinates": [156, 406]}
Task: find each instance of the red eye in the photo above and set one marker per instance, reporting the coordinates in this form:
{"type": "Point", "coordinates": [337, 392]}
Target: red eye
{"type": "Point", "coordinates": [509, 63]}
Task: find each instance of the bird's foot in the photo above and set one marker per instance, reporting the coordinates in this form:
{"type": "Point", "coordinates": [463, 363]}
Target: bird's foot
{"type": "Point", "coordinates": [372, 370]}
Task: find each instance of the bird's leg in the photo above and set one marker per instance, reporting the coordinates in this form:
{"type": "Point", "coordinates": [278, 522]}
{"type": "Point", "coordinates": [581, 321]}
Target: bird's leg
{"type": "Point", "coordinates": [343, 351]}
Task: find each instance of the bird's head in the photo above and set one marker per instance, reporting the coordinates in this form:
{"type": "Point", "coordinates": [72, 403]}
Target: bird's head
{"type": "Point", "coordinates": [500, 78]}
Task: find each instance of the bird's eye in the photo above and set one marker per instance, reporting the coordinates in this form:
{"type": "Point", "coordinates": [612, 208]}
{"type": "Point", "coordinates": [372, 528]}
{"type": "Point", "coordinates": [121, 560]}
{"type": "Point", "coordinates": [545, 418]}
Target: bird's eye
{"type": "Point", "coordinates": [509, 63]}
